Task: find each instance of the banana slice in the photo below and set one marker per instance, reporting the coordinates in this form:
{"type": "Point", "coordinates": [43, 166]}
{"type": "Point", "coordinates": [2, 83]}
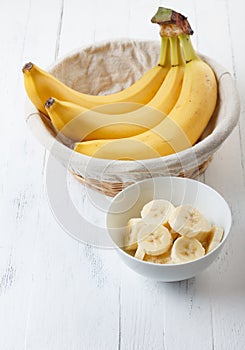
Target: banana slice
{"type": "Point", "coordinates": [140, 253]}
{"type": "Point", "coordinates": [188, 221]}
{"type": "Point", "coordinates": [204, 238]}
{"type": "Point", "coordinates": [132, 230]}
{"type": "Point", "coordinates": [186, 249]}
{"type": "Point", "coordinates": [216, 237]}
{"type": "Point", "coordinates": [153, 241]}
{"type": "Point", "coordinates": [174, 234]}
{"type": "Point", "coordinates": [160, 259]}
{"type": "Point", "coordinates": [157, 212]}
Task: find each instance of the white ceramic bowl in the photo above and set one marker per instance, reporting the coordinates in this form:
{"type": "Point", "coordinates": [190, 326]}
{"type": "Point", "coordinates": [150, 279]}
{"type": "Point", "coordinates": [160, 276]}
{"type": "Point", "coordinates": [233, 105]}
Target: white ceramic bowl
{"type": "Point", "coordinates": [128, 204]}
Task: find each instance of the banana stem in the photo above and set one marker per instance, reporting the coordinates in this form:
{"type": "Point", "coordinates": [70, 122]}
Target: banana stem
{"type": "Point", "coordinates": [180, 54]}
{"type": "Point", "coordinates": [164, 53]}
{"type": "Point", "coordinates": [174, 51]}
{"type": "Point", "coordinates": [171, 22]}
{"type": "Point", "coordinates": [190, 53]}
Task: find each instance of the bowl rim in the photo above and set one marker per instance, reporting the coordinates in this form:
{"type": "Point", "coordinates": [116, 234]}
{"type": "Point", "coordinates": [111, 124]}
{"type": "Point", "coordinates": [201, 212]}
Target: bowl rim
{"type": "Point", "coordinates": [175, 178]}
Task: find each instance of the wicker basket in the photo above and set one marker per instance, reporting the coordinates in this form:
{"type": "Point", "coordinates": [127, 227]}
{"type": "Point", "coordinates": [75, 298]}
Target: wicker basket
{"type": "Point", "coordinates": [118, 64]}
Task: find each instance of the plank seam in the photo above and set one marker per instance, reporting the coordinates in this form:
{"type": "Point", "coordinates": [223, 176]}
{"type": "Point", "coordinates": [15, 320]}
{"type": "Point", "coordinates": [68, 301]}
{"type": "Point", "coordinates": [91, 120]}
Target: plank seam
{"type": "Point", "coordinates": [235, 77]}
{"type": "Point", "coordinates": [57, 47]}
{"type": "Point", "coordinates": [119, 320]}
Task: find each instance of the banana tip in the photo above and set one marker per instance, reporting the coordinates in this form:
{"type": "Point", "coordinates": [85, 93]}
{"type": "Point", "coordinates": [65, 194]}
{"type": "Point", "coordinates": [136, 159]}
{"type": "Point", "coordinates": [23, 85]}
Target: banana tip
{"type": "Point", "coordinates": [27, 67]}
{"type": "Point", "coordinates": [49, 102]}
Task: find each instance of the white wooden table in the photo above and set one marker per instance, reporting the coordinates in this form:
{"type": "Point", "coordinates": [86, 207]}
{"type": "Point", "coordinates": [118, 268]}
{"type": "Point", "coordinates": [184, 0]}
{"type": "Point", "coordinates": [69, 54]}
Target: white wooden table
{"type": "Point", "coordinates": [59, 294]}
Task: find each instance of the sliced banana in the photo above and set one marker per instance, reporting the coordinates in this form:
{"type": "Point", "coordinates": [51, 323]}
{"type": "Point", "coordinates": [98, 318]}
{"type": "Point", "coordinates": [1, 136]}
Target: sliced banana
{"type": "Point", "coordinates": [174, 234]}
{"type": "Point", "coordinates": [140, 253]}
{"type": "Point", "coordinates": [204, 238]}
{"type": "Point", "coordinates": [157, 212]}
{"type": "Point", "coordinates": [133, 227]}
{"type": "Point", "coordinates": [186, 249]}
{"type": "Point", "coordinates": [188, 221]}
{"type": "Point", "coordinates": [168, 235]}
{"type": "Point", "coordinates": [160, 259]}
{"type": "Point", "coordinates": [167, 226]}
{"type": "Point", "coordinates": [216, 237]}
{"type": "Point", "coordinates": [153, 241]}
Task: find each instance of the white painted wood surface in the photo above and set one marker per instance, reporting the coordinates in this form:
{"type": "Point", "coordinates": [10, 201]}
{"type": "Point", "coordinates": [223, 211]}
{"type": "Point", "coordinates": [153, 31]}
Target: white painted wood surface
{"type": "Point", "coordinates": [59, 294]}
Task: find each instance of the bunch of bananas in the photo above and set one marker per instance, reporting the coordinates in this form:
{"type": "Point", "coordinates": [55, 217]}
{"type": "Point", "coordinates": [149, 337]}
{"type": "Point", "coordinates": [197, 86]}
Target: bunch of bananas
{"type": "Point", "coordinates": [164, 112]}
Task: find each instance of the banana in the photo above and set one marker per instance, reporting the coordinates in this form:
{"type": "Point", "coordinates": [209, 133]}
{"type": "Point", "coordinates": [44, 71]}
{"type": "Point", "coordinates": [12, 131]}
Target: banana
{"type": "Point", "coordinates": [188, 221]}
{"type": "Point", "coordinates": [41, 85]}
{"type": "Point", "coordinates": [132, 230]}
{"type": "Point", "coordinates": [157, 212]}
{"type": "Point", "coordinates": [186, 249]}
{"type": "Point", "coordinates": [174, 234]}
{"type": "Point", "coordinates": [204, 239]}
{"type": "Point", "coordinates": [140, 253]}
{"type": "Point", "coordinates": [168, 235]}
{"type": "Point", "coordinates": [160, 259]}
{"type": "Point", "coordinates": [216, 236]}
{"type": "Point", "coordinates": [79, 123]}
{"type": "Point", "coordinates": [153, 241]}
{"type": "Point", "coordinates": [180, 129]}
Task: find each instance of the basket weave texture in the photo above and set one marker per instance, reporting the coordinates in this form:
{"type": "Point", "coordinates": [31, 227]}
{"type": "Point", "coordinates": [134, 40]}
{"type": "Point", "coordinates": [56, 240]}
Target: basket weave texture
{"type": "Point", "coordinates": [109, 67]}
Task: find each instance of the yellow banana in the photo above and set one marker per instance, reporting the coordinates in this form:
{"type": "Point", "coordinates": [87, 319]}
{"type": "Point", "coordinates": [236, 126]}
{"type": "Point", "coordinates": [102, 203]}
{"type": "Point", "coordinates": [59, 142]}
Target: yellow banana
{"type": "Point", "coordinates": [180, 129]}
{"type": "Point", "coordinates": [79, 123]}
{"type": "Point", "coordinates": [40, 85]}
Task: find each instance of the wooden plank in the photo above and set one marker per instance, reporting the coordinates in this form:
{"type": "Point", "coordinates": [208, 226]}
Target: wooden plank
{"type": "Point", "coordinates": [142, 312]}
{"type": "Point", "coordinates": [74, 285]}
{"type": "Point", "coordinates": [210, 32]}
{"type": "Point", "coordinates": [85, 298]}
{"type": "Point", "coordinates": [236, 27]}
{"type": "Point", "coordinates": [111, 19]}
{"type": "Point", "coordinates": [21, 38]}
{"type": "Point", "coordinates": [78, 25]}
{"type": "Point", "coordinates": [226, 174]}
{"type": "Point", "coordinates": [140, 26]}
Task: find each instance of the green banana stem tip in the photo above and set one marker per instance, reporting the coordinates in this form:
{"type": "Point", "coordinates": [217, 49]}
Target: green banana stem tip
{"type": "Point", "coordinates": [171, 22]}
